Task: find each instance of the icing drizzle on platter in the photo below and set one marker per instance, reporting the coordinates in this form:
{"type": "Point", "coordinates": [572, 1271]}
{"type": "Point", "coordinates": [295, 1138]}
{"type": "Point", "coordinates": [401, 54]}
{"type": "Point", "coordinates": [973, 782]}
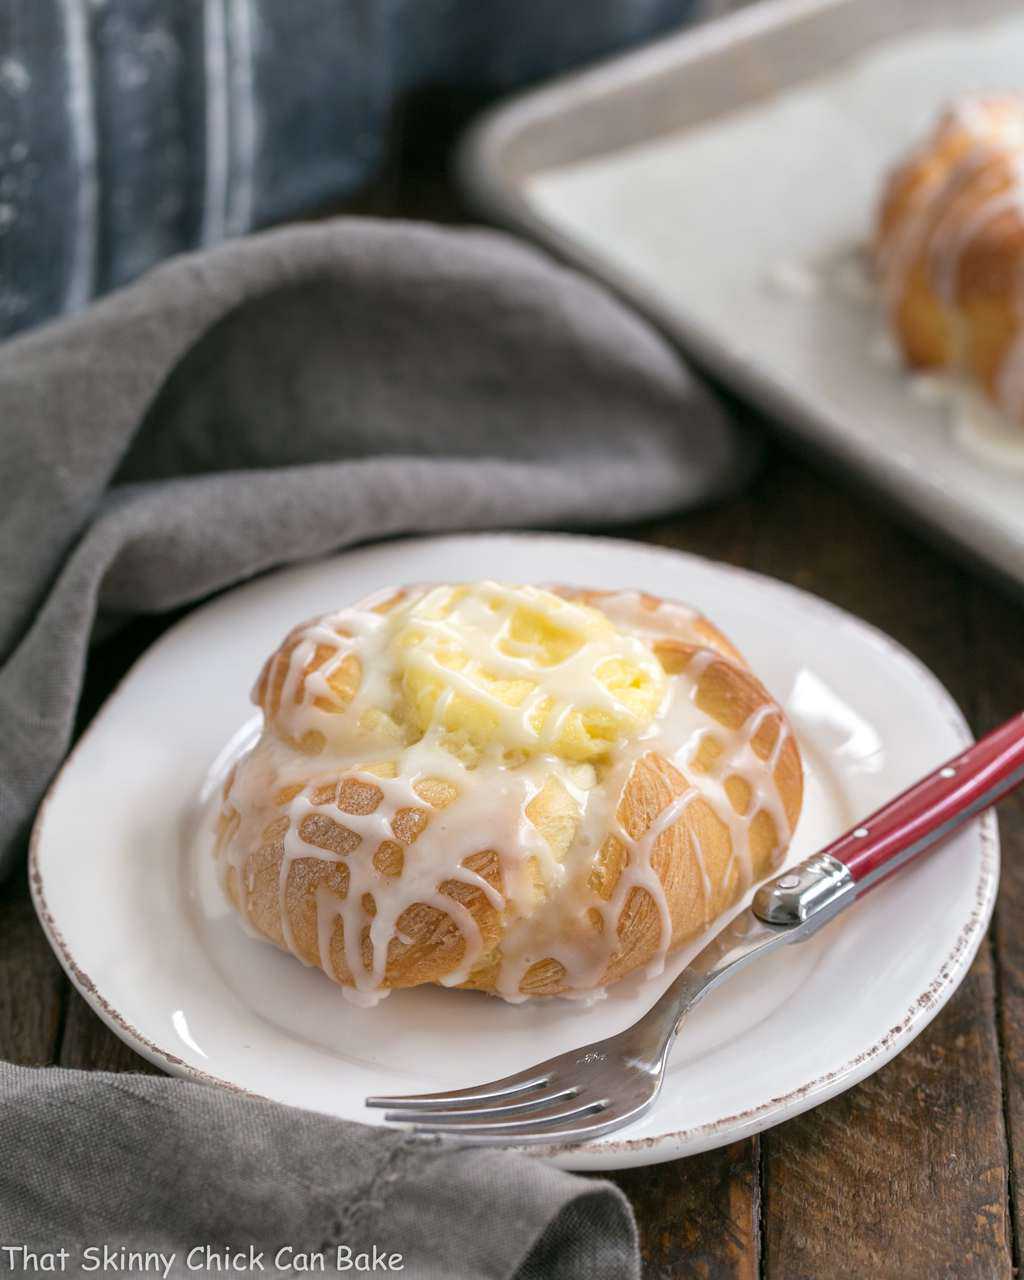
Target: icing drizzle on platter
{"type": "Point", "coordinates": [975, 425]}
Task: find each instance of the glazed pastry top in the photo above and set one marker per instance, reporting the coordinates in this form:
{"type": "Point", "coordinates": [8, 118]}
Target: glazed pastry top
{"type": "Point", "coordinates": [479, 738]}
{"type": "Point", "coordinates": [488, 671]}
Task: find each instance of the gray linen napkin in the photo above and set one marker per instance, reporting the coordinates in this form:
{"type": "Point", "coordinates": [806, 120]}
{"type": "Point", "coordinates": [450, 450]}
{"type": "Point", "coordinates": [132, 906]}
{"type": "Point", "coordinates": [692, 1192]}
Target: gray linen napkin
{"type": "Point", "coordinates": [275, 399]}
{"type": "Point", "coordinates": [148, 1164]}
{"type": "Point", "coordinates": [299, 391]}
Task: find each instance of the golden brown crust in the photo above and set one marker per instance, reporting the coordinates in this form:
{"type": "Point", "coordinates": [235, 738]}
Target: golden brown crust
{"type": "Point", "coordinates": [271, 695]}
{"type": "Point", "coordinates": [694, 858]}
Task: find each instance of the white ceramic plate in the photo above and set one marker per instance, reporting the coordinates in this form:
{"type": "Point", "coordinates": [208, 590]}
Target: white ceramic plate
{"type": "Point", "coordinates": [122, 874]}
{"type": "Point", "coordinates": [722, 178]}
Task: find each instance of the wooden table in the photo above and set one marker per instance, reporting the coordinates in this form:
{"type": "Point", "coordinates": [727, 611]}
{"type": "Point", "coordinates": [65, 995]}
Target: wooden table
{"type": "Point", "coordinates": [916, 1173]}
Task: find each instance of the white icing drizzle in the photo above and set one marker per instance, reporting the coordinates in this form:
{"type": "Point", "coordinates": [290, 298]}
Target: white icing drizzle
{"type": "Point", "coordinates": [344, 633]}
{"type": "Point", "coordinates": [547, 903]}
{"type": "Point", "coordinates": [898, 257]}
{"type": "Point", "coordinates": [480, 622]}
{"type": "Point", "coordinates": [794, 279]}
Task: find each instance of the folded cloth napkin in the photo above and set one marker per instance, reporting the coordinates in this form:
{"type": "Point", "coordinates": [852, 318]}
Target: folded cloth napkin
{"type": "Point", "coordinates": [280, 397]}
{"type": "Point", "coordinates": [296, 392]}
{"type": "Point", "coordinates": [149, 1165]}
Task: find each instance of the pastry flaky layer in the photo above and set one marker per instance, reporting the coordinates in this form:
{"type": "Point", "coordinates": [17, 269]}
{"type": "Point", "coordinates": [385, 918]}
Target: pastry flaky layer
{"type": "Point", "coordinates": [949, 248]}
{"type": "Point", "coordinates": [525, 791]}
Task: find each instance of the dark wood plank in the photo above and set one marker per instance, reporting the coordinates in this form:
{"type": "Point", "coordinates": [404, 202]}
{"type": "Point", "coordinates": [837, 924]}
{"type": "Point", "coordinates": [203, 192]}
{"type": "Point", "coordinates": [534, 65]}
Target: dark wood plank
{"type": "Point", "coordinates": [87, 1043]}
{"type": "Point", "coordinates": [906, 1174]}
{"type": "Point", "coordinates": [32, 984]}
{"type": "Point", "coordinates": [817, 533]}
{"type": "Point", "coordinates": [698, 1217]}
{"type": "Point", "coordinates": [725, 532]}
{"type": "Point", "coordinates": [998, 629]}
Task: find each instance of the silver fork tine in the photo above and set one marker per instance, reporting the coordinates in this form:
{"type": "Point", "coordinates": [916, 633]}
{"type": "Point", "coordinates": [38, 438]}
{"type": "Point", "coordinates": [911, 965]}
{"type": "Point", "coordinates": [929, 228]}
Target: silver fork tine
{"type": "Point", "coordinates": [452, 1124]}
{"type": "Point", "coordinates": [600, 1086]}
{"type": "Point", "coordinates": [527, 1109]}
{"type": "Point", "coordinates": [498, 1090]}
{"type": "Point", "coordinates": [592, 1125]}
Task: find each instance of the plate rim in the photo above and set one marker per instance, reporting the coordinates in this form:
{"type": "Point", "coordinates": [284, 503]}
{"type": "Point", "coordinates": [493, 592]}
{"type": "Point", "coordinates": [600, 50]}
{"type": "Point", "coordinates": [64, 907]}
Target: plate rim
{"type": "Point", "coordinates": [608, 1153]}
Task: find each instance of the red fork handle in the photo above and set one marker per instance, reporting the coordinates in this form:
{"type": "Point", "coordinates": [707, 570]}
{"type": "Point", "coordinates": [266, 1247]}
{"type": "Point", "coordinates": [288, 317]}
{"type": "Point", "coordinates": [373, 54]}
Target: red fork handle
{"type": "Point", "coordinates": [932, 808]}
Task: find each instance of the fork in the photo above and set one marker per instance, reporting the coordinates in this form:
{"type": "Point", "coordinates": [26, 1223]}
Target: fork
{"type": "Point", "coordinates": [610, 1083]}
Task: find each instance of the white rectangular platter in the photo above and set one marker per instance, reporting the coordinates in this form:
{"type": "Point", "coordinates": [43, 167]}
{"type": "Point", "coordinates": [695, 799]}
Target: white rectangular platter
{"type": "Point", "coordinates": [724, 179]}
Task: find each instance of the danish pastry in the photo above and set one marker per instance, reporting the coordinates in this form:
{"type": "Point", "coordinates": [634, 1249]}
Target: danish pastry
{"type": "Point", "coordinates": [949, 248]}
{"type": "Point", "coordinates": [525, 791]}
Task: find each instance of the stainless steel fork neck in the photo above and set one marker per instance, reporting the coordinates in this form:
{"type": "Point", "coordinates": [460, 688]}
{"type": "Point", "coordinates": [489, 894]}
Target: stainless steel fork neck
{"type": "Point", "coordinates": [602, 1086]}
{"type": "Point", "coordinates": [807, 896]}
{"type": "Point", "coordinates": [788, 909]}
